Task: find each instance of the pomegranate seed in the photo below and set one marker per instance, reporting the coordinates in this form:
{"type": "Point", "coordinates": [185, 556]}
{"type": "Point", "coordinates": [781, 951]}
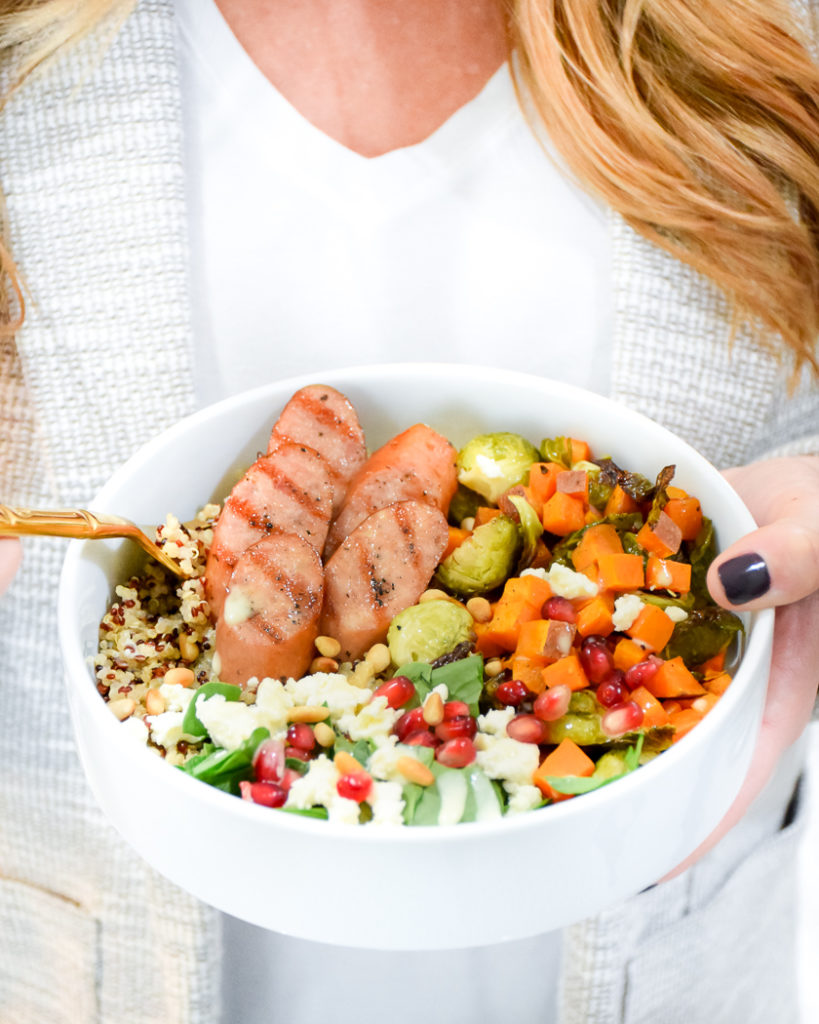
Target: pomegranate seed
{"type": "Point", "coordinates": [296, 753]}
{"type": "Point", "coordinates": [355, 786]}
{"type": "Point", "coordinates": [290, 776]}
{"type": "Point", "coordinates": [457, 753]}
{"type": "Point", "coordinates": [596, 659]}
{"type": "Point", "coordinates": [553, 703]}
{"type": "Point", "coordinates": [623, 718]}
{"type": "Point", "coordinates": [450, 729]}
{"type": "Point", "coordinates": [397, 690]}
{"type": "Point", "coordinates": [559, 608]}
{"type": "Point", "coordinates": [526, 729]}
{"type": "Point", "coordinates": [268, 794]}
{"type": "Point", "coordinates": [300, 735]}
{"type": "Point", "coordinates": [420, 738]}
{"type": "Point", "coordinates": [268, 761]}
{"type": "Point", "coordinates": [612, 691]}
{"type": "Point", "coordinates": [455, 709]}
{"type": "Point", "coordinates": [513, 693]}
{"type": "Point", "coordinates": [643, 672]}
{"type": "Point", "coordinates": [409, 722]}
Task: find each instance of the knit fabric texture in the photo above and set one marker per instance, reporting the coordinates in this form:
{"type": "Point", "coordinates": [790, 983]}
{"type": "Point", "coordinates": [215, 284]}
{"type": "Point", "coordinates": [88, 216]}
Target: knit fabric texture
{"type": "Point", "coordinates": [91, 165]}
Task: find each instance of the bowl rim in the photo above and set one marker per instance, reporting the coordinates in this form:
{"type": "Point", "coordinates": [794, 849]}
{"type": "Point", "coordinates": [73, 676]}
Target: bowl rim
{"type": "Point", "coordinates": [759, 624]}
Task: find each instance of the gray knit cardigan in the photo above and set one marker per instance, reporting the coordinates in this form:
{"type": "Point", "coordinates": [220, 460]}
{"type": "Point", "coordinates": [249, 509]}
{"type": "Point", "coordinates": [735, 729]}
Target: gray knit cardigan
{"type": "Point", "coordinates": [91, 165]}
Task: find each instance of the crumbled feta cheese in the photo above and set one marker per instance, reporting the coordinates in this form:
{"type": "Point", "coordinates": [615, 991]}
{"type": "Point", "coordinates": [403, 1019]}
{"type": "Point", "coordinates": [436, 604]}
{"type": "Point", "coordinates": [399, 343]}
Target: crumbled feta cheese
{"type": "Point", "coordinates": [565, 582]}
{"type": "Point", "coordinates": [316, 787]}
{"type": "Point", "coordinates": [382, 762]}
{"type": "Point", "coordinates": [331, 688]}
{"type": "Point", "coordinates": [166, 729]}
{"type": "Point", "coordinates": [501, 757]}
{"type": "Point", "coordinates": [675, 613]}
{"type": "Point", "coordinates": [229, 722]}
{"type": "Point", "coordinates": [373, 722]}
{"type": "Point", "coordinates": [387, 803]}
{"type": "Point", "coordinates": [344, 811]}
{"type": "Point", "coordinates": [522, 798]}
{"type": "Point", "coordinates": [494, 722]}
{"type": "Point", "coordinates": [135, 729]}
{"type": "Point", "coordinates": [272, 703]}
{"type": "Point", "coordinates": [626, 610]}
{"type": "Point", "coordinates": [176, 697]}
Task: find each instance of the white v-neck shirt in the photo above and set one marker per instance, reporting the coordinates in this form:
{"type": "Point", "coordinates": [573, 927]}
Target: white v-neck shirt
{"type": "Point", "coordinates": [469, 246]}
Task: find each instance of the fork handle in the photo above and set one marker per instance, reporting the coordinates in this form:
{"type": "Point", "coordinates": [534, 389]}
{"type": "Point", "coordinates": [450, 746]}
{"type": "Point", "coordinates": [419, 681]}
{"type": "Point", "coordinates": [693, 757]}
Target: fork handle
{"type": "Point", "coordinates": [66, 522]}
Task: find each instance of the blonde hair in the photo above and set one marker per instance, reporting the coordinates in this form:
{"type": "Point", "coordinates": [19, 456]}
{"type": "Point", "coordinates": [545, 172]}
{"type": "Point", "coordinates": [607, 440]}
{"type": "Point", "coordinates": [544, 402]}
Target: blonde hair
{"type": "Point", "coordinates": [31, 33]}
{"type": "Point", "coordinates": [697, 120]}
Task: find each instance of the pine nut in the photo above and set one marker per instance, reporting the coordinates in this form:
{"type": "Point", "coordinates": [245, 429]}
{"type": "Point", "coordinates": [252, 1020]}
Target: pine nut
{"type": "Point", "coordinates": [433, 713]}
{"type": "Point", "coordinates": [414, 771]}
{"type": "Point", "coordinates": [307, 713]}
{"type": "Point", "coordinates": [468, 523]}
{"type": "Point", "coordinates": [122, 708]}
{"type": "Point", "coordinates": [347, 764]}
{"type": "Point", "coordinates": [325, 736]}
{"type": "Point", "coordinates": [179, 676]}
{"type": "Point", "coordinates": [479, 608]}
{"type": "Point", "coordinates": [154, 702]}
{"type": "Point", "coordinates": [328, 646]}
{"type": "Point", "coordinates": [188, 648]}
{"type": "Point", "coordinates": [323, 664]}
{"type": "Point", "coordinates": [493, 667]}
{"type": "Point", "coordinates": [379, 657]}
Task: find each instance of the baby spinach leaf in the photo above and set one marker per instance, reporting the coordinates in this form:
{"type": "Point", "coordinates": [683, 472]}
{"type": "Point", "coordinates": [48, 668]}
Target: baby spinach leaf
{"type": "Point", "coordinates": [225, 769]}
{"type": "Point", "coordinates": [191, 725]}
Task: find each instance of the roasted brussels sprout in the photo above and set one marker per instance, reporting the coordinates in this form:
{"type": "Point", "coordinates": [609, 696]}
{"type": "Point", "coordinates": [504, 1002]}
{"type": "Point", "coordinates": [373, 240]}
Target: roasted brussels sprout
{"type": "Point", "coordinates": [464, 504]}
{"type": "Point", "coordinates": [484, 560]}
{"type": "Point", "coordinates": [492, 463]}
{"type": "Point", "coordinates": [424, 632]}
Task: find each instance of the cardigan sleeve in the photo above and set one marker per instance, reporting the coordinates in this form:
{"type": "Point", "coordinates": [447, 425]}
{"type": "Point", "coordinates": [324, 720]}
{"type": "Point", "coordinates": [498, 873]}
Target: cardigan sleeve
{"type": "Point", "coordinates": [792, 426]}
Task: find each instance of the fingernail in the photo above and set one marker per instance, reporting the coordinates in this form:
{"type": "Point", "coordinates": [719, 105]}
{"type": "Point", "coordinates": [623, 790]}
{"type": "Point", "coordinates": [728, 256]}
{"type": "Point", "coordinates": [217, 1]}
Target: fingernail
{"type": "Point", "coordinates": [744, 578]}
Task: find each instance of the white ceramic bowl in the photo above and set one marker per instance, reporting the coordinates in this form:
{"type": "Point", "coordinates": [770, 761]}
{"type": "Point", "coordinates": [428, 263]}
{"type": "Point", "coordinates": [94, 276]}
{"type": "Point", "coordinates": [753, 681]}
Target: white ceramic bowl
{"type": "Point", "coordinates": [393, 887]}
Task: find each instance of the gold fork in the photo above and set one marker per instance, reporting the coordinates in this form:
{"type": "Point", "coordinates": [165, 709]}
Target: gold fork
{"type": "Point", "coordinates": [82, 524]}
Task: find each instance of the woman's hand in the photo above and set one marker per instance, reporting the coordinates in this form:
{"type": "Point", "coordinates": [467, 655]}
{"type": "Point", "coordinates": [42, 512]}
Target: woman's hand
{"type": "Point", "coordinates": [775, 566]}
{"type": "Point", "coordinates": [11, 554]}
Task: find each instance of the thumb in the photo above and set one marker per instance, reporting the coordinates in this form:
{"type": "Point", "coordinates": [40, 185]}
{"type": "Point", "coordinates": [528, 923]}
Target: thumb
{"type": "Point", "coordinates": [778, 563]}
{"type": "Point", "coordinates": [11, 553]}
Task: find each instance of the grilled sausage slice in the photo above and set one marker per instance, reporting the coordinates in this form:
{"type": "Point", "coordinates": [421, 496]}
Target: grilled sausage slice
{"type": "Point", "coordinates": [382, 567]}
{"type": "Point", "coordinates": [290, 489]}
{"type": "Point", "coordinates": [417, 464]}
{"type": "Point", "coordinates": [271, 615]}
{"type": "Point", "coordinates": [324, 419]}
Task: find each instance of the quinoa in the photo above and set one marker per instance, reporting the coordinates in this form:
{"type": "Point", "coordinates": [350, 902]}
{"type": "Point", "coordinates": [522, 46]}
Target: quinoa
{"type": "Point", "coordinates": [157, 623]}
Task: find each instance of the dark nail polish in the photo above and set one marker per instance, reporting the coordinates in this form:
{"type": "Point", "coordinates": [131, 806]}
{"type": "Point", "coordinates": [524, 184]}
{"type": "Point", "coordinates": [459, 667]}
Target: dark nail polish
{"type": "Point", "coordinates": [744, 578]}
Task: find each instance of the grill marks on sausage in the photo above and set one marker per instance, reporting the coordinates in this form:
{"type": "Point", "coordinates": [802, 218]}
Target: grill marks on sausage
{"type": "Point", "coordinates": [382, 567]}
{"type": "Point", "coordinates": [270, 621]}
{"type": "Point", "coordinates": [418, 464]}
{"type": "Point", "coordinates": [264, 578]}
{"type": "Point", "coordinates": [289, 489]}
{"type": "Point", "coordinates": [324, 419]}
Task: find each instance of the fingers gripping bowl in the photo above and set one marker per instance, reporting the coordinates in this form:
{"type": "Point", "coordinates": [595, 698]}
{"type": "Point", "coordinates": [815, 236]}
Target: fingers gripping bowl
{"type": "Point", "coordinates": [394, 887]}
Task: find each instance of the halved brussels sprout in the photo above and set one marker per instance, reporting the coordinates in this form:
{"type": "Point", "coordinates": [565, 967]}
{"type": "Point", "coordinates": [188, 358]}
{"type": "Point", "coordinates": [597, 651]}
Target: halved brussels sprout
{"type": "Point", "coordinates": [492, 463]}
{"type": "Point", "coordinates": [484, 560]}
{"type": "Point", "coordinates": [423, 632]}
